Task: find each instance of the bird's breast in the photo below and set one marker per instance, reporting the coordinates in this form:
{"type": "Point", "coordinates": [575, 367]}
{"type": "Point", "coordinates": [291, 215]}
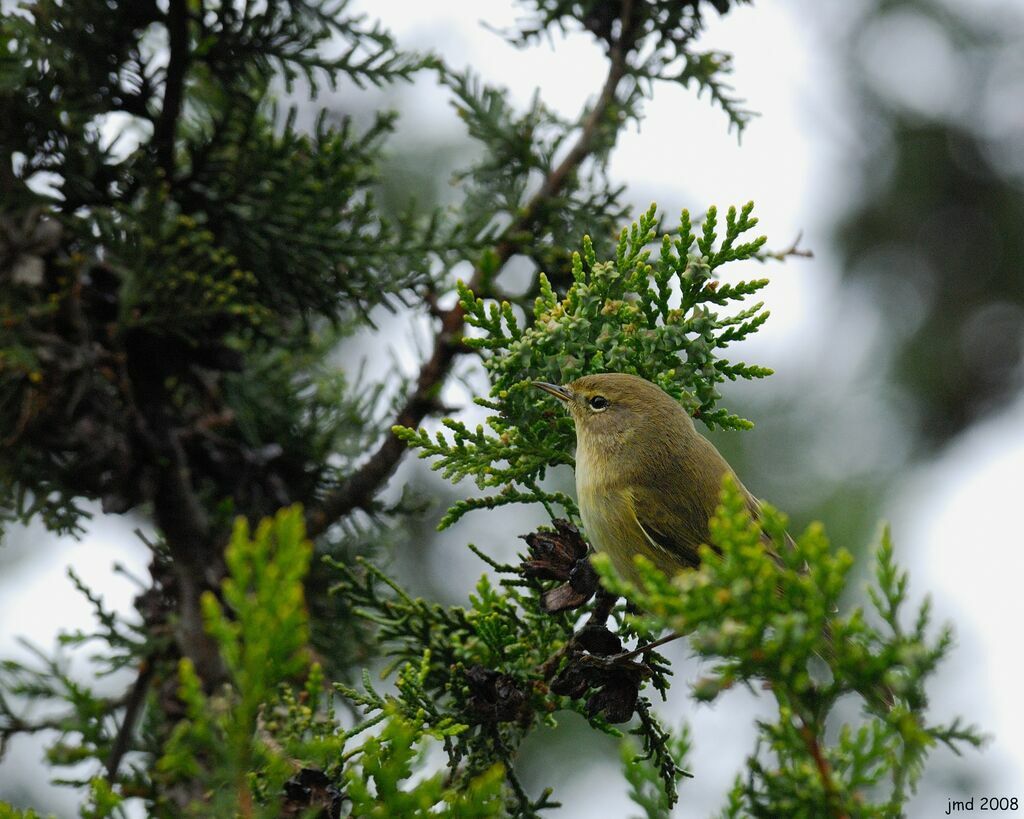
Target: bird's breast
{"type": "Point", "coordinates": [606, 507]}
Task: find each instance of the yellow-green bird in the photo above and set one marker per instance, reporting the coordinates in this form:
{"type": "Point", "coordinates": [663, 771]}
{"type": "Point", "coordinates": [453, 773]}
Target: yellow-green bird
{"type": "Point", "coordinates": [646, 480]}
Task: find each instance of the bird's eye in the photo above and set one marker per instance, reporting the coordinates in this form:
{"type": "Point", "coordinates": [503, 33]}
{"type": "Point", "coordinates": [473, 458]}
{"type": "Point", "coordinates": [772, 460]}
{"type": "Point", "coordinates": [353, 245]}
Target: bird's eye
{"type": "Point", "coordinates": [598, 403]}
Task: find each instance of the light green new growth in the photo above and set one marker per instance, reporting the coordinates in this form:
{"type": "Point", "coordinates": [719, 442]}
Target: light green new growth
{"type": "Point", "coordinates": [241, 742]}
{"type": "Point", "coordinates": [765, 621]}
{"type": "Point", "coordinates": [656, 317]}
{"type": "Point", "coordinates": [261, 630]}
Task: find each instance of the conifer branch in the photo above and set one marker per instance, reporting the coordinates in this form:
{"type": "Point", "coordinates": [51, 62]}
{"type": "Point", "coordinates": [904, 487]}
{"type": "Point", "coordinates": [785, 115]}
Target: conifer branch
{"type": "Point", "coordinates": [13, 725]}
{"type": "Point", "coordinates": [824, 770]}
{"type": "Point", "coordinates": [134, 702]}
{"type": "Point", "coordinates": [177, 509]}
{"type": "Point", "coordinates": [359, 490]}
{"type": "Point", "coordinates": [174, 85]}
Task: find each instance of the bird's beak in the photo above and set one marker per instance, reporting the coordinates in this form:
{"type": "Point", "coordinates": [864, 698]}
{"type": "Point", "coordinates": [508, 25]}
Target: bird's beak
{"type": "Point", "coordinates": [561, 393]}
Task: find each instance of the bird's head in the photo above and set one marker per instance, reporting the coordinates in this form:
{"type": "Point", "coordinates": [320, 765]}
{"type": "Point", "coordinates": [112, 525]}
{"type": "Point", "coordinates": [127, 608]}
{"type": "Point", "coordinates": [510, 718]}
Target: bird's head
{"type": "Point", "coordinates": [616, 404]}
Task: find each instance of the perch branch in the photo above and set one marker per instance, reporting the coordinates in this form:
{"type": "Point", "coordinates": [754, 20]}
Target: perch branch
{"type": "Point", "coordinates": [133, 707]}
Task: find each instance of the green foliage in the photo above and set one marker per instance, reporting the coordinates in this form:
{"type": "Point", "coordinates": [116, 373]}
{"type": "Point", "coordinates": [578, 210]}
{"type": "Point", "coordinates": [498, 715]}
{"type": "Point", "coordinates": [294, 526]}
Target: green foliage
{"type": "Point", "coordinates": [657, 319]}
{"type": "Point", "coordinates": [236, 747]}
{"type": "Point", "coordinates": [80, 730]}
{"type": "Point", "coordinates": [264, 591]}
{"type": "Point", "coordinates": [171, 292]}
{"type": "Point", "coordinates": [474, 676]}
{"type": "Point", "coordinates": [262, 645]}
{"type": "Point", "coordinates": [302, 217]}
{"type": "Point", "coordinates": [767, 619]}
{"type": "Point", "coordinates": [103, 801]}
{"type": "Point", "coordinates": [220, 231]}
{"type": "Point", "coordinates": [10, 812]}
{"type": "Point", "coordinates": [483, 677]}
{"type": "Point", "coordinates": [646, 785]}
{"type": "Point", "coordinates": [388, 760]}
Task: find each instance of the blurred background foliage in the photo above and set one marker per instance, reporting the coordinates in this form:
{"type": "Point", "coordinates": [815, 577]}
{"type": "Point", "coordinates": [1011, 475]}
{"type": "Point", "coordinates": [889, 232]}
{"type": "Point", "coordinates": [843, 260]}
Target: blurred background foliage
{"type": "Point", "coordinates": [939, 204]}
{"type": "Point", "coordinates": [930, 255]}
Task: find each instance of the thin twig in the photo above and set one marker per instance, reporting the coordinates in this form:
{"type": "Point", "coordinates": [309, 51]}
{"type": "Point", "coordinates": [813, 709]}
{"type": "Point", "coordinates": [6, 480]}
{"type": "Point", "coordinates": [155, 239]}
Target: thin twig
{"type": "Point", "coordinates": [668, 638]}
{"type": "Point", "coordinates": [166, 125]}
{"type": "Point", "coordinates": [16, 725]}
{"type": "Point", "coordinates": [824, 770]}
{"type": "Point", "coordinates": [13, 725]}
{"type": "Point", "coordinates": [793, 250]}
{"type": "Point", "coordinates": [133, 707]}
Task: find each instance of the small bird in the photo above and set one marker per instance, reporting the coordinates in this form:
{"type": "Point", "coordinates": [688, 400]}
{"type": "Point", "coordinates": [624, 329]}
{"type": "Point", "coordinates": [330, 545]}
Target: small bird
{"type": "Point", "coordinates": [648, 483]}
{"type": "Point", "coordinates": [646, 480]}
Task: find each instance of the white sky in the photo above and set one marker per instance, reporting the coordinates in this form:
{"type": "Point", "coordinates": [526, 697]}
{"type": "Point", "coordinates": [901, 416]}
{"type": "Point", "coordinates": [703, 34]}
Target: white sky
{"type": "Point", "coordinates": [948, 525]}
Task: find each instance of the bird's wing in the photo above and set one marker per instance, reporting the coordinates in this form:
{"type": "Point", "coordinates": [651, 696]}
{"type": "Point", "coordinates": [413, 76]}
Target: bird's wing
{"type": "Point", "coordinates": [671, 527]}
{"type": "Point", "coordinates": [668, 526]}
